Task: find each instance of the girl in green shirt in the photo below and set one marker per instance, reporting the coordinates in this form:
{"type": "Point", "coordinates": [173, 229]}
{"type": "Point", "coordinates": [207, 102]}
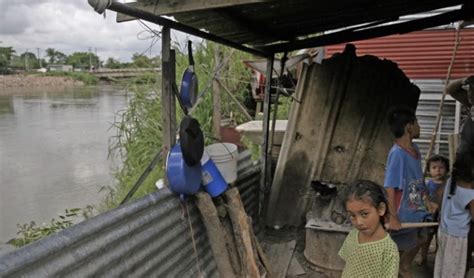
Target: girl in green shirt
{"type": "Point", "coordinates": [368, 249]}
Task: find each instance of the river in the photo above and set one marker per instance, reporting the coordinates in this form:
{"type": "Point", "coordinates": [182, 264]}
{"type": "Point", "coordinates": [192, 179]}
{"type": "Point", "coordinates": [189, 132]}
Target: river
{"type": "Point", "coordinates": [54, 152]}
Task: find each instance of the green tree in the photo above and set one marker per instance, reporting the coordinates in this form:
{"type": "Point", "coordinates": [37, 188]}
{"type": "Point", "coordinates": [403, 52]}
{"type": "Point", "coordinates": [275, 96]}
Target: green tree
{"type": "Point", "coordinates": [5, 58]}
{"type": "Point", "coordinates": [83, 60]}
{"type": "Point", "coordinates": [55, 56]}
{"type": "Point", "coordinates": [141, 61]}
{"type": "Point", "coordinates": [111, 63]}
{"type": "Point", "coordinates": [29, 60]}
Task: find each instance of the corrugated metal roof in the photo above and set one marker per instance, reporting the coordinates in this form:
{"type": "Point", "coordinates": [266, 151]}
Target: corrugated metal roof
{"type": "Point", "coordinates": [145, 238]}
{"type": "Point", "coordinates": [271, 22]}
{"type": "Point", "coordinates": [422, 54]}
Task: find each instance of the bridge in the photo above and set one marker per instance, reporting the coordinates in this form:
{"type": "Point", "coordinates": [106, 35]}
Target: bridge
{"type": "Point", "coordinates": [104, 73]}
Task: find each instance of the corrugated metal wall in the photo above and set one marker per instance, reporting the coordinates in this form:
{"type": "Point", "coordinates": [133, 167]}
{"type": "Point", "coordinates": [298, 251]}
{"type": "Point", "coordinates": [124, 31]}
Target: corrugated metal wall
{"type": "Point", "coordinates": [145, 238]}
{"type": "Point", "coordinates": [427, 110]}
{"type": "Point", "coordinates": [422, 54]}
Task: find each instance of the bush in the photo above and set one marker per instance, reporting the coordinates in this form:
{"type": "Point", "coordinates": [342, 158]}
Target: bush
{"type": "Point", "coordinates": [31, 232]}
{"type": "Point", "coordinates": [87, 78]}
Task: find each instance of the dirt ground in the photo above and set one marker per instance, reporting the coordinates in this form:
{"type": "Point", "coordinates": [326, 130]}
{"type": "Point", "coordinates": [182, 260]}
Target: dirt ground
{"type": "Point", "coordinates": [9, 83]}
{"type": "Point", "coordinates": [283, 235]}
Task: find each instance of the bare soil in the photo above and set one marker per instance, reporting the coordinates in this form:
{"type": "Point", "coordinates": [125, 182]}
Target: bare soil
{"type": "Point", "coordinates": [9, 83]}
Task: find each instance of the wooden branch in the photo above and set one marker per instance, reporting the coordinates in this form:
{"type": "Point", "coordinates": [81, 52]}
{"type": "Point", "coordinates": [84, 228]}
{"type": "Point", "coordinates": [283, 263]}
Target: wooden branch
{"type": "Point", "coordinates": [241, 231]}
{"type": "Point", "coordinates": [215, 233]}
{"type": "Point", "coordinates": [230, 241]}
{"type": "Point", "coordinates": [244, 110]}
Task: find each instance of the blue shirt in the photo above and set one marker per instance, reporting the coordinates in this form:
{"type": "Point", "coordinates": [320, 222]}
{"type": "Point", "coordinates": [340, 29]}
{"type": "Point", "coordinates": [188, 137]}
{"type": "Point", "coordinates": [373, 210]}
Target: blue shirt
{"type": "Point", "coordinates": [455, 217]}
{"type": "Point", "coordinates": [405, 175]}
{"type": "Point", "coordinates": [432, 187]}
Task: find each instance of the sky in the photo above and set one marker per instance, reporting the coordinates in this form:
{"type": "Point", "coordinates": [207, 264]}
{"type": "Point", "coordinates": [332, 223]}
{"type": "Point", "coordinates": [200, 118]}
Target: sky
{"type": "Point", "coordinates": [72, 26]}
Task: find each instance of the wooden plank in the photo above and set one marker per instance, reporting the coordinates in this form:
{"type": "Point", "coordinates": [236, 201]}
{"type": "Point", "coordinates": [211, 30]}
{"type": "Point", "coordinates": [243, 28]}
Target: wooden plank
{"type": "Point", "coordinates": [280, 255]}
{"type": "Point", "coordinates": [295, 268]}
{"type": "Point", "coordinates": [169, 7]}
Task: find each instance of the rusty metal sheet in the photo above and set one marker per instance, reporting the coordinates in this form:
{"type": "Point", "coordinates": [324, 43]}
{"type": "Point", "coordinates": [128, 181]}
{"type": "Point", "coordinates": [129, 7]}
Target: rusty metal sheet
{"type": "Point", "coordinates": [423, 54]}
{"type": "Point", "coordinates": [338, 133]}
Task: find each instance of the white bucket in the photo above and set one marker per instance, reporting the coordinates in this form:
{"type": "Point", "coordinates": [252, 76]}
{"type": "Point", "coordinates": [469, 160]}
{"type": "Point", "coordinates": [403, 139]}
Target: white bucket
{"type": "Point", "coordinates": [225, 157]}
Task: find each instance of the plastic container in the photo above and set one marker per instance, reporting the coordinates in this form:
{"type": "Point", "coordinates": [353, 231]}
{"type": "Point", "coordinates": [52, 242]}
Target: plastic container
{"type": "Point", "coordinates": [212, 180]}
{"type": "Point", "coordinates": [182, 179]}
{"type": "Point", "coordinates": [225, 157]}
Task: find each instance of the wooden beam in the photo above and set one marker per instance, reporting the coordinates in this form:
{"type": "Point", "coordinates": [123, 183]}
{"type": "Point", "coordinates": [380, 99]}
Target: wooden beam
{"type": "Point", "coordinates": [259, 29]}
{"type": "Point", "coordinates": [168, 111]}
{"type": "Point", "coordinates": [122, 8]}
{"type": "Point", "coordinates": [169, 7]}
{"type": "Point", "coordinates": [264, 155]}
{"type": "Point", "coordinates": [216, 96]}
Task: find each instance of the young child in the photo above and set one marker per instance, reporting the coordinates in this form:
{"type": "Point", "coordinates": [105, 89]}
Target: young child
{"type": "Point", "coordinates": [407, 194]}
{"type": "Point", "coordinates": [456, 214]}
{"type": "Point", "coordinates": [438, 168]}
{"type": "Point", "coordinates": [368, 249]}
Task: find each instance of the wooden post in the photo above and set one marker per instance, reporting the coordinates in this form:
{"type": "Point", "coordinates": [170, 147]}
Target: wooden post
{"type": "Point", "coordinates": [168, 111]}
{"type": "Point", "coordinates": [215, 233]}
{"type": "Point", "coordinates": [265, 160]}
{"type": "Point", "coordinates": [216, 97]}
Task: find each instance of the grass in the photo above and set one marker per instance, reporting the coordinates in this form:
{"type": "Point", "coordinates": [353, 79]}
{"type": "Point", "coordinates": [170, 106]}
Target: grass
{"type": "Point", "coordinates": [138, 136]}
{"type": "Point", "coordinates": [87, 78]}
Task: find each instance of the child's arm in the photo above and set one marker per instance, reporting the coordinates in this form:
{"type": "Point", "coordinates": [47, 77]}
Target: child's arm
{"type": "Point", "coordinates": [431, 205]}
{"type": "Point", "coordinates": [439, 195]}
{"type": "Point", "coordinates": [393, 221]}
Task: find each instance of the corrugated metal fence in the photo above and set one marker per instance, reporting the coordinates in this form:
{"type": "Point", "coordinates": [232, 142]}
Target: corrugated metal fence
{"type": "Point", "coordinates": [428, 105]}
{"type": "Point", "coordinates": [145, 238]}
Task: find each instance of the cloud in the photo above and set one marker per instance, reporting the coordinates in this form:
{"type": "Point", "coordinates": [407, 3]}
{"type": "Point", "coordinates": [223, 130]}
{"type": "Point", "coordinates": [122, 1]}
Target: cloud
{"type": "Point", "coordinates": [70, 26]}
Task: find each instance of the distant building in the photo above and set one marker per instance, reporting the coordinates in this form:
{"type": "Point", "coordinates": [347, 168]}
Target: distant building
{"type": "Point", "coordinates": [60, 68]}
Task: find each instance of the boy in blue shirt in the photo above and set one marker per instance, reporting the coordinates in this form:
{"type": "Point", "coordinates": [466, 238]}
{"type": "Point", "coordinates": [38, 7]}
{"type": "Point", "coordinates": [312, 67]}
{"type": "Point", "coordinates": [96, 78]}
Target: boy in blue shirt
{"type": "Point", "coordinates": [406, 191]}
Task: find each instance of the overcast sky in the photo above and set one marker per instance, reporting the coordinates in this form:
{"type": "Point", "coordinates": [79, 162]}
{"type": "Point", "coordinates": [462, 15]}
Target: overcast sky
{"type": "Point", "coordinates": [70, 26]}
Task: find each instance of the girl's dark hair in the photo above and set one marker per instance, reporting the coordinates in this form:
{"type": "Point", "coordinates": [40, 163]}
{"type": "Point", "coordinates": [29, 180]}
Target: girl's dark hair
{"type": "Point", "coordinates": [463, 169]}
{"type": "Point", "coordinates": [438, 158]}
{"type": "Point", "coordinates": [367, 191]}
{"type": "Point", "coordinates": [398, 118]}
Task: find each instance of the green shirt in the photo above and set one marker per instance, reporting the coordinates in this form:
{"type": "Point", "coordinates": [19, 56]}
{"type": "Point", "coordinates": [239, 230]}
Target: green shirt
{"type": "Point", "coordinates": [377, 259]}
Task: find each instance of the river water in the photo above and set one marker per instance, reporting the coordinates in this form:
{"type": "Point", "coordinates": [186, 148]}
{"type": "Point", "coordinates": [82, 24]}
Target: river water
{"type": "Point", "coordinates": [54, 152]}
